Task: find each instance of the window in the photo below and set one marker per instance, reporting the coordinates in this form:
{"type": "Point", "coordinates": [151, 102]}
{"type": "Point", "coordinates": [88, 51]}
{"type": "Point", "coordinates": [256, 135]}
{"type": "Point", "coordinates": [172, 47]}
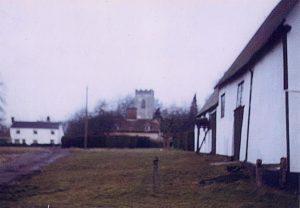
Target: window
{"type": "Point", "coordinates": [23, 141]}
{"type": "Point", "coordinates": [35, 131]}
{"type": "Point", "coordinates": [51, 141]}
{"type": "Point", "coordinates": [239, 98]}
{"type": "Point", "coordinates": [143, 105]}
{"type": "Point", "coordinates": [147, 127]}
{"type": "Point", "coordinates": [18, 131]}
{"type": "Point", "coordinates": [222, 105]}
{"type": "Point", "coordinates": [116, 127]}
{"type": "Point", "coordinates": [52, 132]}
{"type": "Point", "coordinates": [34, 141]}
{"type": "Point", "coordinates": [17, 141]}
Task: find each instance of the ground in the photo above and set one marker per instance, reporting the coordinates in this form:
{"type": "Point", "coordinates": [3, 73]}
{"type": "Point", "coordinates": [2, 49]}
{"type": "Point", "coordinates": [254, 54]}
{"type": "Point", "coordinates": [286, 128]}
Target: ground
{"type": "Point", "coordinates": [123, 178]}
{"type": "Point", "coordinates": [18, 162]}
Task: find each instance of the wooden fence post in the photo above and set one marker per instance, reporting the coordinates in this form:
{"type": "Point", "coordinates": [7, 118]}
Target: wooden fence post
{"type": "Point", "coordinates": [155, 175]}
{"type": "Point", "coordinates": [282, 172]}
{"type": "Point", "coordinates": [259, 173]}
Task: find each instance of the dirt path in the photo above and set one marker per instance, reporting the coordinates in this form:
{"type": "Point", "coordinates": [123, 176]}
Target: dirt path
{"type": "Point", "coordinates": [28, 163]}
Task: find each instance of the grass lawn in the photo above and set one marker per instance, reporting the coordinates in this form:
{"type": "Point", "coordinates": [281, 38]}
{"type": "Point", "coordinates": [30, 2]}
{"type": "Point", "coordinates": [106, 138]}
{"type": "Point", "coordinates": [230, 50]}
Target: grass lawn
{"type": "Point", "coordinates": [123, 178]}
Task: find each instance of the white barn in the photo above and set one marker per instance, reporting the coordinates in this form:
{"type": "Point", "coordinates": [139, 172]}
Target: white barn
{"type": "Point", "coordinates": [39, 132]}
{"type": "Point", "coordinates": [258, 112]}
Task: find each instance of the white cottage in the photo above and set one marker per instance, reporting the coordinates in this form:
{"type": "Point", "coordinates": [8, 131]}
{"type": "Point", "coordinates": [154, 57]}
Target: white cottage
{"type": "Point", "coordinates": [40, 132]}
{"type": "Point", "coordinates": [258, 115]}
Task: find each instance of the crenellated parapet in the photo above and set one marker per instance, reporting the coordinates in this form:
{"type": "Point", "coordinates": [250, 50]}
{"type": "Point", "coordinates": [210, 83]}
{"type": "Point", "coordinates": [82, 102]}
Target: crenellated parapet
{"type": "Point", "coordinates": [150, 92]}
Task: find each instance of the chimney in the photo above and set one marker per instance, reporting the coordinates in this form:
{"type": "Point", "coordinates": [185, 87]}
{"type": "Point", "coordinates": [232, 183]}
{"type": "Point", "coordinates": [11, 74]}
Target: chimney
{"type": "Point", "coordinates": [12, 119]}
{"type": "Point", "coordinates": [131, 113]}
{"type": "Point", "coordinates": [48, 118]}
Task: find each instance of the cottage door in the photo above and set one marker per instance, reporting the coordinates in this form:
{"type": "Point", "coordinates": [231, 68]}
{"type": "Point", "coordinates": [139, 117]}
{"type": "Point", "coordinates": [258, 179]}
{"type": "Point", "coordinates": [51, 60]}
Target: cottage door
{"type": "Point", "coordinates": [237, 133]}
{"type": "Point", "coordinates": [213, 127]}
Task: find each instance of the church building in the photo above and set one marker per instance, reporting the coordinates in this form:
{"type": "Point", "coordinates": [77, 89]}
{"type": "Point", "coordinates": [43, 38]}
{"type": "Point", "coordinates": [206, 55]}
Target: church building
{"type": "Point", "coordinates": [144, 103]}
{"type": "Point", "coordinates": [139, 120]}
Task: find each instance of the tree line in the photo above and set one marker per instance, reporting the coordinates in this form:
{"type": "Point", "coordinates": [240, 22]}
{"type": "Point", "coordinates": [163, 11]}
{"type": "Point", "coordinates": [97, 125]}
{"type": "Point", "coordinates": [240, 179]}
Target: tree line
{"type": "Point", "coordinates": [173, 120]}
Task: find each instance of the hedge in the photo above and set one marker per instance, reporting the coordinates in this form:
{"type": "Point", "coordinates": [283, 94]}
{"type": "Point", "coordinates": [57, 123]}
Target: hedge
{"type": "Point", "coordinates": [184, 141]}
{"type": "Point", "coordinates": [110, 142]}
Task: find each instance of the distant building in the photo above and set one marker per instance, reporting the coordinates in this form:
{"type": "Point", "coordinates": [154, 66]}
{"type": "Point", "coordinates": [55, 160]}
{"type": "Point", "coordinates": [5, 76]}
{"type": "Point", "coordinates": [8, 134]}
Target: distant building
{"type": "Point", "coordinates": [141, 127]}
{"type": "Point", "coordinates": [144, 103]}
{"type": "Point", "coordinates": [39, 132]}
{"type": "Point", "coordinates": [139, 120]}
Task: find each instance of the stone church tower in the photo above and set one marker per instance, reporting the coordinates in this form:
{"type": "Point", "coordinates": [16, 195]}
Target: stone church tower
{"type": "Point", "coordinates": [144, 103]}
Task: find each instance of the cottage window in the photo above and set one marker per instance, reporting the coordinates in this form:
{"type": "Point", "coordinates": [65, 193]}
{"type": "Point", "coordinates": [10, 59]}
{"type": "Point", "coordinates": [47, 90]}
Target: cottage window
{"type": "Point", "coordinates": [239, 98]}
{"type": "Point", "coordinates": [23, 141]}
{"type": "Point", "coordinates": [116, 127]}
{"type": "Point", "coordinates": [222, 105]}
{"type": "Point", "coordinates": [18, 131]}
{"type": "Point", "coordinates": [147, 127]}
{"type": "Point", "coordinates": [35, 131]}
{"type": "Point", "coordinates": [143, 105]}
{"type": "Point", "coordinates": [51, 141]}
{"type": "Point", "coordinates": [17, 141]}
{"type": "Point", "coordinates": [52, 132]}
{"type": "Point", "coordinates": [34, 141]}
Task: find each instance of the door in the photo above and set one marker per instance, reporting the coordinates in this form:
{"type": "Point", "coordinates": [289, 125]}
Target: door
{"type": "Point", "coordinates": [213, 127]}
{"type": "Point", "coordinates": [237, 133]}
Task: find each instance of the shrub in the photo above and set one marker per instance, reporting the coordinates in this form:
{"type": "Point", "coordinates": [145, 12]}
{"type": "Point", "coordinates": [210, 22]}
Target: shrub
{"type": "Point", "coordinates": [184, 141]}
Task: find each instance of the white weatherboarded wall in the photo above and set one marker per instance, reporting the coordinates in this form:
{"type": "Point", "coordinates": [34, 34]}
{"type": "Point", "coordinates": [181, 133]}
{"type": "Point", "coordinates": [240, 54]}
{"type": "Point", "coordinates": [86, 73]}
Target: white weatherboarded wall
{"type": "Point", "coordinates": [267, 139]}
{"type": "Point", "coordinates": [268, 121]}
{"type": "Point", "coordinates": [225, 124]}
{"type": "Point", "coordinates": [293, 19]}
{"type": "Point", "coordinates": [267, 130]}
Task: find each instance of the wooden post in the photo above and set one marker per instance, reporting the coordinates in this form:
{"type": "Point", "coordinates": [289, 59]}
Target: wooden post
{"type": "Point", "coordinates": [283, 172]}
{"type": "Point", "coordinates": [198, 137]}
{"type": "Point", "coordinates": [86, 121]}
{"type": "Point", "coordinates": [155, 175]}
{"type": "Point", "coordinates": [259, 173]}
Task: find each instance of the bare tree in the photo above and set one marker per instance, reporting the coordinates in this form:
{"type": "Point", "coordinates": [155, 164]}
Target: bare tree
{"type": "Point", "coordinates": [75, 125]}
{"type": "Point", "coordinates": [101, 107]}
{"type": "Point", "coordinates": [174, 120]}
{"type": "Point", "coordinates": [2, 104]}
{"type": "Point", "coordinates": [124, 104]}
{"type": "Point", "coordinates": [193, 113]}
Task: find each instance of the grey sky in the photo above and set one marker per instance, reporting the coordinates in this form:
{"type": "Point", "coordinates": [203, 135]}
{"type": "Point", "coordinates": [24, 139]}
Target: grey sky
{"type": "Point", "coordinates": [50, 50]}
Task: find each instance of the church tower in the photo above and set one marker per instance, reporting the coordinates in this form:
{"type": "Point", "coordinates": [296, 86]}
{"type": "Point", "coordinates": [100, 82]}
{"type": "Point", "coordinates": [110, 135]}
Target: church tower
{"type": "Point", "coordinates": [144, 103]}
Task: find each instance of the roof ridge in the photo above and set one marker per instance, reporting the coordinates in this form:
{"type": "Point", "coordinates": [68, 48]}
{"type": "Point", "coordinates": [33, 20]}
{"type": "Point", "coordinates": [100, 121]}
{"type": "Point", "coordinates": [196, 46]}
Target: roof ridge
{"type": "Point", "coordinates": [259, 39]}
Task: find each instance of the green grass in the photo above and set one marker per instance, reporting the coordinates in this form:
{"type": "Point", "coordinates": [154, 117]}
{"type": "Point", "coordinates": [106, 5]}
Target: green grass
{"type": "Point", "coordinates": [123, 178]}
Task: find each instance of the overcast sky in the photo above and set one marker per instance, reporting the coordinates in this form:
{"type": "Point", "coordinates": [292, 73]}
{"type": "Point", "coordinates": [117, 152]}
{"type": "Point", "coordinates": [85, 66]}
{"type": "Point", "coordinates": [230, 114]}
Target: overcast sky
{"type": "Point", "coordinates": [50, 50]}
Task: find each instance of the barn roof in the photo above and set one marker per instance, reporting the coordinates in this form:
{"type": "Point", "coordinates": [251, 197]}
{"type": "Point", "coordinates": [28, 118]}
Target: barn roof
{"type": "Point", "coordinates": [210, 103]}
{"type": "Point", "coordinates": [138, 125]}
{"type": "Point", "coordinates": [261, 37]}
{"type": "Point", "coordinates": [35, 125]}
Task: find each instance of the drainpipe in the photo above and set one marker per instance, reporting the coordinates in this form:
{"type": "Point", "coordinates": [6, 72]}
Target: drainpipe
{"type": "Point", "coordinates": [249, 113]}
{"type": "Point", "coordinates": [286, 87]}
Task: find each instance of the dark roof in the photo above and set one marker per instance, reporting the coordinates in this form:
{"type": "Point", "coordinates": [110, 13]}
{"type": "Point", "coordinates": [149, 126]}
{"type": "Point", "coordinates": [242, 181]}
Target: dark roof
{"type": "Point", "coordinates": [35, 125]}
{"type": "Point", "coordinates": [261, 37]}
{"type": "Point", "coordinates": [138, 125]}
{"type": "Point", "coordinates": [210, 103]}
